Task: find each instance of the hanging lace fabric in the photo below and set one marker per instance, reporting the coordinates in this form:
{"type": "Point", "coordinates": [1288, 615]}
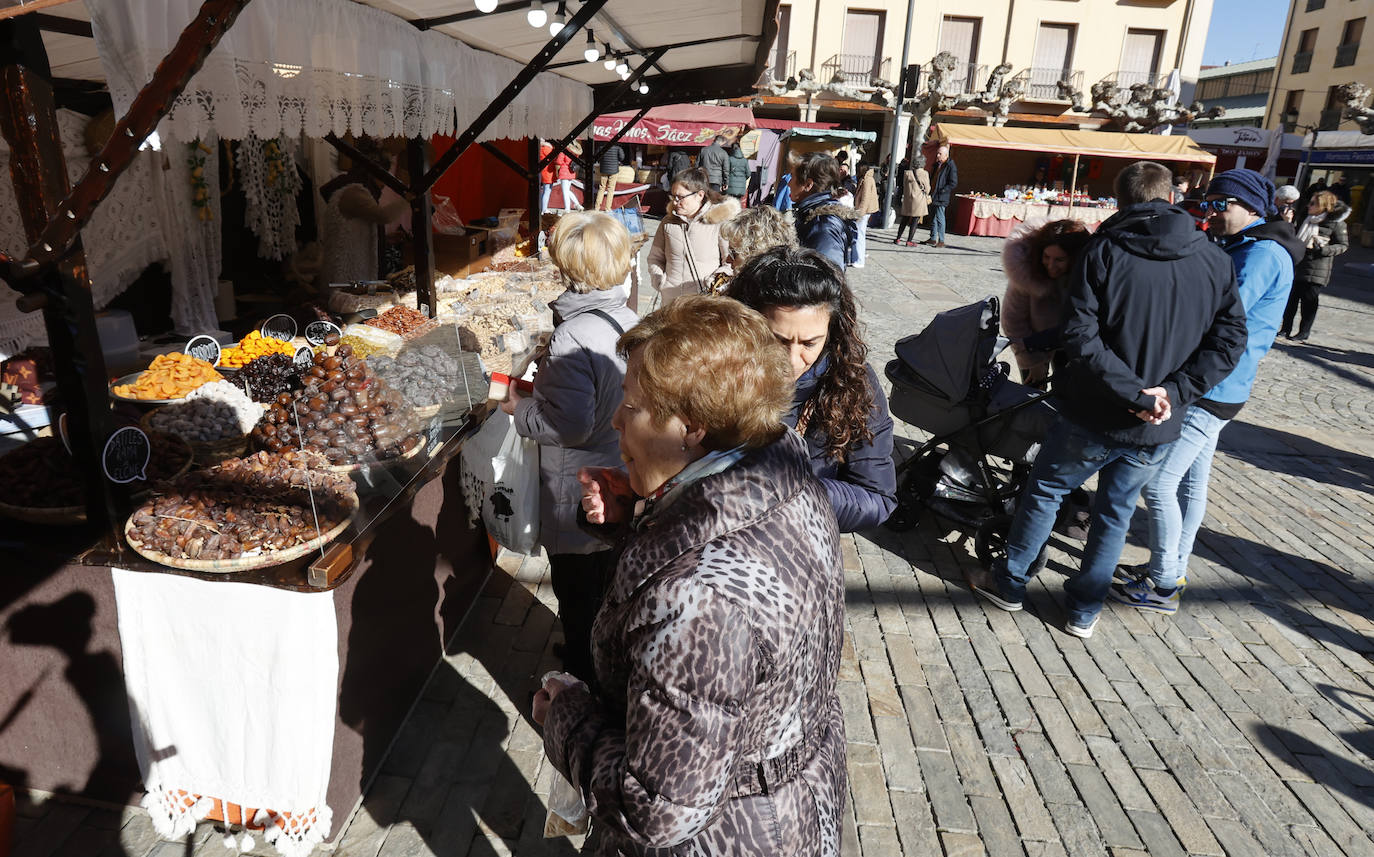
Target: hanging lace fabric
{"type": "Point", "coordinates": [271, 185]}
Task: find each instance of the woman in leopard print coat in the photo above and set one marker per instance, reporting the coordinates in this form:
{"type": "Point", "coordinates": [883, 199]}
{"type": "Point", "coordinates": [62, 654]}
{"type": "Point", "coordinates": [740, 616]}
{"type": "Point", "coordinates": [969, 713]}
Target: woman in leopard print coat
{"type": "Point", "coordinates": [718, 730]}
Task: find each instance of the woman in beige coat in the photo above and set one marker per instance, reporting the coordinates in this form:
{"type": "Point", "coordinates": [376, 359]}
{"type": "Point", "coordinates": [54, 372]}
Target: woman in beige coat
{"type": "Point", "coordinates": [688, 249]}
{"type": "Point", "coordinates": [915, 200]}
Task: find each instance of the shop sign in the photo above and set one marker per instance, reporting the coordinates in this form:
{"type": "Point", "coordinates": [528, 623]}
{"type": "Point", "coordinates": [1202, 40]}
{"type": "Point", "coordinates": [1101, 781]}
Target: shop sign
{"type": "Point", "coordinates": [280, 326]}
{"type": "Point", "coordinates": [204, 347]}
{"type": "Point", "coordinates": [317, 331]}
{"type": "Point", "coordinates": [1342, 156]}
{"type": "Point", "coordinates": [126, 455]}
{"type": "Point", "coordinates": [663, 133]}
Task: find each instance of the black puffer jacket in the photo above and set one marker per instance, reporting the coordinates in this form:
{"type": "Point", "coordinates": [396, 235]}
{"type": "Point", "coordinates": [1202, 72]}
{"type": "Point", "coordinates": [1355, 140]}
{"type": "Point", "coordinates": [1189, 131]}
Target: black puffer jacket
{"type": "Point", "coordinates": [611, 159]}
{"type": "Point", "coordinates": [1151, 303]}
{"type": "Point", "coordinates": [1332, 240]}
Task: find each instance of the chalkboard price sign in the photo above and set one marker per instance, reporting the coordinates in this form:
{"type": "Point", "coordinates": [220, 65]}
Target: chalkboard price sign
{"type": "Point", "coordinates": [317, 331]}
{"type": "Point", "coordinates": [280, 326]}
{"type": "Point", "coordinates": [204, 347]}
{"type": "Point", "coordinates": [304, 358]}
{"type": "Point", "coordinates": [126, 455]}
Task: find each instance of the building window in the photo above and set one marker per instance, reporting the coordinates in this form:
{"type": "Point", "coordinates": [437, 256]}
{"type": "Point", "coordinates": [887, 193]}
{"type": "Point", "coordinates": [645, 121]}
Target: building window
{"type": "Point", "coordinates": [1292, 107]}
{"type": "Point", "coordinates": [1140, 58]}
{"type": "Point", "coordinates": [1307, 43]}
{"type": "Point", "coordinates": [1350, 42]}
{"type": "Point", "coordinates": [1330, 118]}
{"type": "Point", "coordinates": [782, 69]}
{"type": "Point", "coordinates": [1053, 59]}
{"type": "Point", "coordinates": [1314, 5]}
{"type": "Point", "coordinates": [960, 37]}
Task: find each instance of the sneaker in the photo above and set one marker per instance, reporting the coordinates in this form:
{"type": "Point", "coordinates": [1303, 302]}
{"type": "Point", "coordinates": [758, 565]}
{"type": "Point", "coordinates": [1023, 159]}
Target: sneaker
{"type": "Point", "coordinates": [1142, 596]}
{"type": "Point", "coordinates": [912, 244]}
{"type": "Point", "coordinates": [1127, 574]}
{"type": "Point", "coordinates": [1082, 632]}
{"type": "Point", "coordinates": [997, 600]}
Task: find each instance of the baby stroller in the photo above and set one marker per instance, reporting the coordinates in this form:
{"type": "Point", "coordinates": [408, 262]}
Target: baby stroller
{"type": "Point", "coordinates": [987, 429]}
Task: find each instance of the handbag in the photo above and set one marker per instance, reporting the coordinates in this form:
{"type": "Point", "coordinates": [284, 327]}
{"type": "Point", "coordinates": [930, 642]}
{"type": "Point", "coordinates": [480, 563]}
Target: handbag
{"type": "Point", "coordinates": [500, 480]}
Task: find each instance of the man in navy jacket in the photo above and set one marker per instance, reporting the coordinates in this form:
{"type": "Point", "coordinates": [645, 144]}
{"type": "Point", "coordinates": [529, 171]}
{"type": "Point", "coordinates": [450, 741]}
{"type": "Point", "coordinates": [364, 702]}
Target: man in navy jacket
{"type": "Point", "coordinates": [1264, 254]}
{"type": "Point", "coordinates": [1153, 322]}
{"type": "Point", "coordinates": [942, 188]}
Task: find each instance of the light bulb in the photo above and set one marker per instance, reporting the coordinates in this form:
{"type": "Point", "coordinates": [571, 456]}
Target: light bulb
{"type": "Point", "coordinates": [559, 17]}
{"type": "Point", "coordinates": [623, 70]}
{"type": "Point", "coordinates": [536, 15]}
{"type": "Point", "coordinates": [644, 89]}
{"type": "Point", "coordinates": [486, 6]}
{"type": "Point", "coordinates": [610, 59]}
{"type": "Point", "coordinates": [592, 53]}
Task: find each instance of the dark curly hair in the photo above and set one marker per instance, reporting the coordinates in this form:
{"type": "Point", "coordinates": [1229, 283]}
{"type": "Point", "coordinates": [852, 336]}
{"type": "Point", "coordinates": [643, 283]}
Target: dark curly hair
{"type": "Point", "coordinates": [791, 277]}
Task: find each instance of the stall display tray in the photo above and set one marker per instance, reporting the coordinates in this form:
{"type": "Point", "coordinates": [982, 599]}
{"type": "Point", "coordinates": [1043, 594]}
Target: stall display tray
{"type": "Point", "coordinates": [261, 559]}
{"type": "Point", "coordinates": [132, 378]}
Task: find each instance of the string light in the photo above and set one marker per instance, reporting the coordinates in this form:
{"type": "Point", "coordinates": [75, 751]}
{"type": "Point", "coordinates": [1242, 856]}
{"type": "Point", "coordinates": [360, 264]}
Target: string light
{"type": "Point", "coordinates": [486, 6]}
{"type": "Point", "coordinates": [592, 53]}
{"type": "Point", "coordinates": [559, 18]}
{"type": "Point", "coordinates": [536, 15]}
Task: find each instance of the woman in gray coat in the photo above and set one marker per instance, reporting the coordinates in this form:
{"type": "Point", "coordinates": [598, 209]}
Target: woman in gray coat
{"type": "Point", "coordinates": [576, 392]}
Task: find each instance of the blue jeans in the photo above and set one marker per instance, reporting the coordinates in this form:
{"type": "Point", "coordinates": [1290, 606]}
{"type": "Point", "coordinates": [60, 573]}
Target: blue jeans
{"type": "Point", "coordinates": [545, 191]}
{"type": "Point", "coordinates": [937, 223]}
{"type": "Point", "coordinates": [1176, 498]}
{"type": "Point", "coordinates": [1069, 457]}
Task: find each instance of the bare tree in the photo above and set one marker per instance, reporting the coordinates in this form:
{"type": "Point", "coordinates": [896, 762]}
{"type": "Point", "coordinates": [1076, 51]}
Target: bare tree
{"type": "Point", "coordinates": [1352, 97]}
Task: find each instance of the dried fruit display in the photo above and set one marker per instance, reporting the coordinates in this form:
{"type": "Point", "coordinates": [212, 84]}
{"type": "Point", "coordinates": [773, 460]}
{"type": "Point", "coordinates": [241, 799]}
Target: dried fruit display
{"type": "Point", "coordinates": [402, 320]}
{"type": "Point", "coordinates": [343, 412]}
{"type": "Point", "coordinates": [170, 376]}
{"type": "Point", "coordinates": [216, 411]}
{"type": "Point", "coordinates": [269, 377]}
{"type": "Point", "coordinates": [42, 475]}
{"type": "Point", "coordinates": [258, 505]}
{"type": "Point", "coordinates": [428, 374]}
{"type": "Point", "coordinates": [251, 347]}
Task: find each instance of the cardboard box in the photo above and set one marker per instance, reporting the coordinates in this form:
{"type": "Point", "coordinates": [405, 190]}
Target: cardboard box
{"type": "Point", "coordinates": [453, 254]}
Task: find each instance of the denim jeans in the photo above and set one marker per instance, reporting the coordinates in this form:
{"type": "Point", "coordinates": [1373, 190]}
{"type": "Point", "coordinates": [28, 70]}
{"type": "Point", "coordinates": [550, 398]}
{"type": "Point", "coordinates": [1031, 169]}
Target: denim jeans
{"type": "Point", "coordinates": [937, 223]}
{"type": "Point", "coordinates": [861, 247]}
{"type": "Point", "coordinates": [545, 191]}
{"type": "Point", "coordinates": [1176, 498]}
{"type": "Point", "coordinates": [1069, 457]}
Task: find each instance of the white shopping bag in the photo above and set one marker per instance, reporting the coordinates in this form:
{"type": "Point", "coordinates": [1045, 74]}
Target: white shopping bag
{"type": "Point", "coordinates": [501, 482]}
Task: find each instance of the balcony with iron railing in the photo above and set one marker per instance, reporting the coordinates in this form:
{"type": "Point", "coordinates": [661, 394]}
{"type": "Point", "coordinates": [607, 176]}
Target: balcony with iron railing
{"type": "Point", "coordinates": [856, 69]}
{"type": "Point", "coordinates": [967, 77]}
{"type": "Point", "coordinates": [1345, 55]}
{"type": "Point", "coordinates": [1302, 61]}
{"type": "Point", "coordinates": [786, 69]}
{"type": "Point", "coordinates": [1042, 84]}
{"type": "Point", "coordinates": [1330, 119]}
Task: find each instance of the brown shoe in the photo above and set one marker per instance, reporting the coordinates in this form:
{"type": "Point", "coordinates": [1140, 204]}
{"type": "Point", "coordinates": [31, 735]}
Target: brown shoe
{"type": "Point", "coordinates": [940, 244]}
{"type": "Point", "coordinates": [929, 242]}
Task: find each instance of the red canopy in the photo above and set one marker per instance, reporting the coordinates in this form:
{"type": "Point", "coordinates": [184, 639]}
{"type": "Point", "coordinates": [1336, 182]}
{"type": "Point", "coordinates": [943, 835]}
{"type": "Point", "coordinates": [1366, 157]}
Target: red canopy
{"type": "Point", "coordinates": [675, 124]}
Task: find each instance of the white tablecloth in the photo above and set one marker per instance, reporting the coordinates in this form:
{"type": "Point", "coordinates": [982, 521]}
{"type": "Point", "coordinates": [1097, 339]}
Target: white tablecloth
{"type": "Point", "coordinates": [232, 692]}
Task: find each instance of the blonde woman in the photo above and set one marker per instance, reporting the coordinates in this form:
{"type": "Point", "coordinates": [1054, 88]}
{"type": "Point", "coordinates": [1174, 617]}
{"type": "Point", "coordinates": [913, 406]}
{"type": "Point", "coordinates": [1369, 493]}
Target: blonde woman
{"type": "Point", "coordinates": [576, 392]}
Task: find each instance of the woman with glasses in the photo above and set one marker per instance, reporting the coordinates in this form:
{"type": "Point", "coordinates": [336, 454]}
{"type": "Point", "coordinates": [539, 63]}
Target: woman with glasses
{"type": "Point", "coordinates": [838, 406]}
{"type": "Point", "coordinates": [688, 248]}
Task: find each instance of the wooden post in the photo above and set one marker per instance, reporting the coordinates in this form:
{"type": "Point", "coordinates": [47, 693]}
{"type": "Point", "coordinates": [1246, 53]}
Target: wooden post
{"type": "Point", "coordinates": [28, 121]}
{"type": "Point", "coordinates": [535, 196]}
{"type": "Point", "coordinates": [422, 230]}
{"type": "Point", "coordinates": [1073, 181]}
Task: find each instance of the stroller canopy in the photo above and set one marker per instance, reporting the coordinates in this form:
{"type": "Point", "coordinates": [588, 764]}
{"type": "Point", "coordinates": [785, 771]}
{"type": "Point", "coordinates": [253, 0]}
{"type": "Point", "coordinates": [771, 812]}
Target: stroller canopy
{"type": "Point", "coordinates": [954, 350]}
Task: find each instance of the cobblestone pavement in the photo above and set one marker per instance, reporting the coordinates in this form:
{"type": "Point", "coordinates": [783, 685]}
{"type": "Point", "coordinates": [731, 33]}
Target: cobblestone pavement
{"type": "Point", "coordinates": [1242, 726]}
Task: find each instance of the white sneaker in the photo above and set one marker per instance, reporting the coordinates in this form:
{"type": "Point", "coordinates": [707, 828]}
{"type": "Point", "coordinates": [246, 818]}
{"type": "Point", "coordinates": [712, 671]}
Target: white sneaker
{"type": "Point", "coordinates": [1083, 632]}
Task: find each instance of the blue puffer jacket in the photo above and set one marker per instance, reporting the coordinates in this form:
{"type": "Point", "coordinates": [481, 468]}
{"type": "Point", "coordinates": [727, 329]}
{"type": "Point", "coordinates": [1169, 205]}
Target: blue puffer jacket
{"type": "Point", "coordinates": [823, 225]}
{"type": "Point", "coordinates": [862, 488]}
{"type": "Point", "coordinates": [1264, 257]}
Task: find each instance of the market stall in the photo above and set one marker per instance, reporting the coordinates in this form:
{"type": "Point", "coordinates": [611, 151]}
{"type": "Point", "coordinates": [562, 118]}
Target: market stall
{"type": "Point", "coordinates": [236, 567]}
{"type": "Point", "coordinates": [1000, 167]}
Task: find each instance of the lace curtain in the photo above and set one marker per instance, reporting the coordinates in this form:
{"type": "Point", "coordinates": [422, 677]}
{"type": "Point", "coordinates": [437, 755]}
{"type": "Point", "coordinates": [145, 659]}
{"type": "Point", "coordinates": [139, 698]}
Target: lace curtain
{"type": "Point", "coordinates": [123, 237]}
{"type": "Point", "coordinates": [289, 67]}
{"type": "Point", "coordinates": [271, 185]}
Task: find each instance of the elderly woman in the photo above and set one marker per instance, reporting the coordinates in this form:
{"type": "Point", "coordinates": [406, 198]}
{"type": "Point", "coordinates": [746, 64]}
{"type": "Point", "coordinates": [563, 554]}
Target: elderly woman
{"type": "Point", "coordinates": [748, 234]}
{"type": "Point", "coordinates": [1325, 237]}
{"type": "Point", "coordinates": [838, 405]}
{"type": "Point", "coordinates": [576, 392]}
{"type": "Point", "coordinates": [718, 728]}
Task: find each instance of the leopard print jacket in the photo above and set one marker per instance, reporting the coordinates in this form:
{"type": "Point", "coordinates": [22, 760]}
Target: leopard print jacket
{"type": "Point", "coordinates": [717, 647]}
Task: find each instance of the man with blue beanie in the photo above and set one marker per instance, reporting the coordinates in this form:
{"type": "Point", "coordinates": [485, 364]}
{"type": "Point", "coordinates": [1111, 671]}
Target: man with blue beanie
{"type": "Point", "coordinates": [1264, 254]}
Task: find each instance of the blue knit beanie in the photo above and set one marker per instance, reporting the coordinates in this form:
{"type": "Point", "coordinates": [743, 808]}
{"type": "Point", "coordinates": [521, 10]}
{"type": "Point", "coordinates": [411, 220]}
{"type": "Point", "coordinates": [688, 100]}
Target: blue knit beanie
{"type": "Point", "coordinates": [1248, 186]}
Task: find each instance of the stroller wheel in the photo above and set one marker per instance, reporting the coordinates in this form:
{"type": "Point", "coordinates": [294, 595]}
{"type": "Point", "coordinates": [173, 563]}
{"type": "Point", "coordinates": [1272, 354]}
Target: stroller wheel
{"type": "Point", "coordinates": [990, 543]}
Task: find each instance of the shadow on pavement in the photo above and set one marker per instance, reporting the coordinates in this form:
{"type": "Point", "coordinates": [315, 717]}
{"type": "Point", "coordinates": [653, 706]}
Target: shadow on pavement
{"type": "Point", "coordinates": [1279, 451]}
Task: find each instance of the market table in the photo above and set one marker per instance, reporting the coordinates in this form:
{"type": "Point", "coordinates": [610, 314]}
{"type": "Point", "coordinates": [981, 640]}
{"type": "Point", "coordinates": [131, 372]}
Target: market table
{"type": "Point", "coordinates": [991, 216]}
{"type": "Point", "coordinates": [257, 697]}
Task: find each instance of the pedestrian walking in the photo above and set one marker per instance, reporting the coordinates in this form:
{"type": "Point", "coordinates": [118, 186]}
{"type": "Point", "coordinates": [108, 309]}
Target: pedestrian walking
{"type": "Point", "coordinates": [1263, 254]}
{"type": "Point", "coordinates": [737, 174]}
{"type": "Point", "coordinates": [1154, 321]}
{"type": "Point", "coordinates": [612, 157]}
{"type": "Point", "coordinates": [915, 199]}
{"type": "Point", "coordinates": [866, 203]}
{"type": "Point", "coordinates": [1324, 237]}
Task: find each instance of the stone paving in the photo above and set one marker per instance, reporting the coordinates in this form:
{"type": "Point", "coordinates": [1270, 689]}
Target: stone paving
{"type": "Point", "coordinates": [1243, 725]}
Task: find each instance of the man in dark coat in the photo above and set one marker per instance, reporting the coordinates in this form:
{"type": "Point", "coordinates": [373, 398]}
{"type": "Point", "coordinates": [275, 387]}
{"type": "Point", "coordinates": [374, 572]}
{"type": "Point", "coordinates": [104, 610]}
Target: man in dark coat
{"type": "Point", "coordinates": [941, 194]}
{"type": "Point", "coordinates": [609, 165]}
{"type": "Point", "coordinates": [715, 160]}
{"type": "Point", "coordinates": [1154, 321]}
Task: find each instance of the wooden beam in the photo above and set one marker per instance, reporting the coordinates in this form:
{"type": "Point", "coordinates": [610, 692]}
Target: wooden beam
{"type": "Point", "coordinates": [151, 104]}
{"type": "Point", "coordinates": [31, 6]}
{"type": "Point", "coordinates": [509, 94]}
{"type": "Point", "coordinates": [422, 231]}
{"type": "Point", "coordinates": [378, 171]}
{"type": "Point", "coordinates": [68, 26]}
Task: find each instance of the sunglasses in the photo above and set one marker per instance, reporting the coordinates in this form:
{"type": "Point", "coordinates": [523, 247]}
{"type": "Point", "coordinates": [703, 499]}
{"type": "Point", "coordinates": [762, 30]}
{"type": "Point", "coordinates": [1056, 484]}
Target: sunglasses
{"type": "Point", "coordinates": [1217, 205]}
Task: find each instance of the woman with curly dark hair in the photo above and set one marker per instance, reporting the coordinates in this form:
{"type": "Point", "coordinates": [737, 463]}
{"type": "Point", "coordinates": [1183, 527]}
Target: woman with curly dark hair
{"type": "Point", "coordinates": [838, 405]}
